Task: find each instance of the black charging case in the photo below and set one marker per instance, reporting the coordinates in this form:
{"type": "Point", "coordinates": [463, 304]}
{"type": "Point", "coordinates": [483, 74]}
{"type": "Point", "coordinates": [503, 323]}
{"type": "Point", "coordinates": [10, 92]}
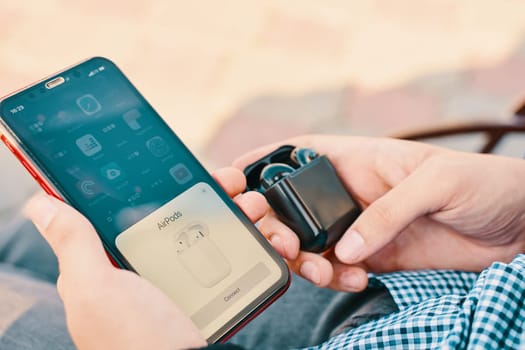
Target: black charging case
{"type": "Point", "coordinates": [311, 200]}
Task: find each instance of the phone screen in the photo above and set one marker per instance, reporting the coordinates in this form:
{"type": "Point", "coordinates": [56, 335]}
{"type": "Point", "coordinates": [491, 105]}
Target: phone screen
{"type": "Point", "coordinates": [155, 207]}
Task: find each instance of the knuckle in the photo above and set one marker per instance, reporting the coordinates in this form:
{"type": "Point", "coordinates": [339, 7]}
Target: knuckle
{"type": "Point", "coordinates": [447, 170]}
{"type": "Point", "coordinates": [64, 229]}
{"type": "Point", "coordinates": [58, 234]}
{"type": "Point", "coordinates": [60, 286]}
{"type": "Point", "coordinates": [382, 213]}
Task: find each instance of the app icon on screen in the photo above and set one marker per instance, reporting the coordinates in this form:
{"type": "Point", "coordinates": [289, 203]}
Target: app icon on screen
{"type": "Point", "coordinates": [88, 187]}
{"type": "Point", "coordinates": [157, 146]}
{"type": "Point", "coordinates": [88, 104]}
{"type": "Point", "coordinates": [131, 118]}
{"type": "Point", "coordinates": [89, 145]}
{"type": "Point", "coordinates": [181, 173]}
{"type": "Point", "coordinates": [112, 171]}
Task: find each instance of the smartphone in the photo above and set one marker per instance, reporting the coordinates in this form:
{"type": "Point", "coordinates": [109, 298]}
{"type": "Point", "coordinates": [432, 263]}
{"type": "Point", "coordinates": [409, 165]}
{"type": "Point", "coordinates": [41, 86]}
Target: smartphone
{"type": "Point", "coordinates": [89, 138]}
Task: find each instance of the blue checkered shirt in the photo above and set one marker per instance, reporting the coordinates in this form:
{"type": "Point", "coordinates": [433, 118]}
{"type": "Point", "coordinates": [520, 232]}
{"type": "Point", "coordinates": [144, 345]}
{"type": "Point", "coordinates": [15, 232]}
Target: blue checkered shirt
{"type": "Point", "coordinates": [447, 310]}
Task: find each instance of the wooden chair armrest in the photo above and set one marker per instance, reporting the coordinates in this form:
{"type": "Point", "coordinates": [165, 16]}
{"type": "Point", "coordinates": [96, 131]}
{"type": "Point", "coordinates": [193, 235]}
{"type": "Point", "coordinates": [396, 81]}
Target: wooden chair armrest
{"type": "Point", "coordinates": [494, 131]}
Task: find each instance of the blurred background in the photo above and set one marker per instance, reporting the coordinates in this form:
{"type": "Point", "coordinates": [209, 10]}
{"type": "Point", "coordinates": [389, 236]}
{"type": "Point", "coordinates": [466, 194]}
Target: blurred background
{"type": "Point", "coordinates": [231, 75]}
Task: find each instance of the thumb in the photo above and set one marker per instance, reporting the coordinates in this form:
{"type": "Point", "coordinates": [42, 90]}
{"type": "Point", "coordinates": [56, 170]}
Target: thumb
{"type": "Point", "coordinates": [70, 235]}
{"type": "Point", "coordinates": [388, 216]}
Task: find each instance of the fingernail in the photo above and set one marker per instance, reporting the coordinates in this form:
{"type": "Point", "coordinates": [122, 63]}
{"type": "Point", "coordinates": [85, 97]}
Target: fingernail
{"type": "Point", "coordinates": [350, 282]}
{"type": "Point", "coordinates": [41, 210]}
{"type": "Point", "coordinates": [350, 247]}
{"type": "Point", "coordinates": [311, 272]}
{"type": "Point", "coordinates": [277, 243]}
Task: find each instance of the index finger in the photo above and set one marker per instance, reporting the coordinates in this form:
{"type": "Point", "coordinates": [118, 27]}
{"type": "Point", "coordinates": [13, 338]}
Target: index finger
{"type": "Point", "coordinates": [231, 180]}
{"type": "Point", "coordinates": [335, 147]}
{"type": "Point", "coordinates": [250, 157]}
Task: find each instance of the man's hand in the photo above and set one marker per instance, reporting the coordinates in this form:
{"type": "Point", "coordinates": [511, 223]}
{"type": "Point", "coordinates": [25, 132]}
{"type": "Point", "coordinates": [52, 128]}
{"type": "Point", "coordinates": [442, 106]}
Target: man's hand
{"type": "Point", "coordinates": [108, 308]}
{"type": "Point", "coordinates": [424, 207]}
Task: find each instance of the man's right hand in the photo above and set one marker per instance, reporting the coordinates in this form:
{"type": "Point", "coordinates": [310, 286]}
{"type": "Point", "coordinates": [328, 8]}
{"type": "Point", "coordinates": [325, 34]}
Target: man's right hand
{"type": "Point", "coordinates": [425, 207]}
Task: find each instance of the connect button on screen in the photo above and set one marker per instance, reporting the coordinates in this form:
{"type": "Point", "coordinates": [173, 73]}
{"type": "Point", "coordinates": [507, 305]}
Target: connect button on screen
{"type": "Point", "coordinates": [227, 298]}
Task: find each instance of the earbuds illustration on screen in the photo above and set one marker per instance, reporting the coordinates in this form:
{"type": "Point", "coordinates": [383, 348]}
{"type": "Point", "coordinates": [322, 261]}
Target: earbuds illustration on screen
{"type": "Point", "coordinates": [190, 235]}
{"type": "Point", "coordinates": [200, 256]}
{"type": "Point", "coordinates": [183, 242]}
